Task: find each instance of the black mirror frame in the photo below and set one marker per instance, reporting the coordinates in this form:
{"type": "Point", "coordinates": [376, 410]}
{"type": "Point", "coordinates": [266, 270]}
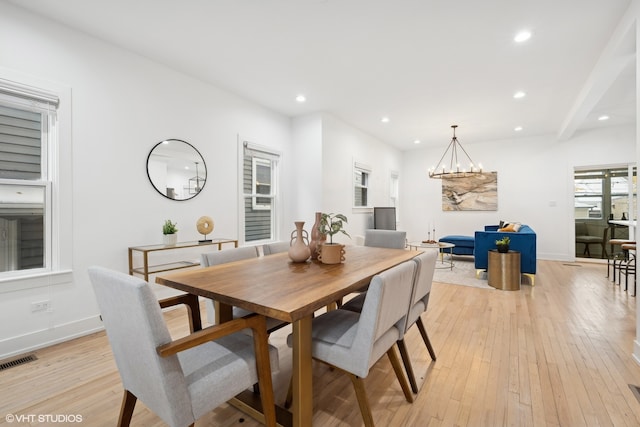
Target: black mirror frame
{"type": "Point", "coordinates": [194, 149]}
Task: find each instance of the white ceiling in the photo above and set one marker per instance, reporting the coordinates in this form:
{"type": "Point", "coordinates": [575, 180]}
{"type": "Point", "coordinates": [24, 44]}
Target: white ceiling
{"type": "Point", "coordinates": [426, 64]}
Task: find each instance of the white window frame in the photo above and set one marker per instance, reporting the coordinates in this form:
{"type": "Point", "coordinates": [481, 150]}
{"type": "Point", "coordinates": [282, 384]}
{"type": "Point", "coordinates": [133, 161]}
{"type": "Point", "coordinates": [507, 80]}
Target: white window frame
{"type": "Point", "coordinates": [257, 161]}
{"type": "Point", "coordinates": [361, 168]}
{"type": "Point", "coordinates": [56, 180]}
{"type": "Point", "coordinates": [394, 191]}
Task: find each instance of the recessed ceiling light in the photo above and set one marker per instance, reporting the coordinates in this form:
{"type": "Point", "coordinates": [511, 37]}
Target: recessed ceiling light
{"type": "Point", "coordinates": [518, 128]}
{"type": "Point", "coordinates": [301, 98]}
{"type": "Point", "coordinates": [417, 141]}
{"type": "Point", "coordinates": [519, 94]}
{"type": "Point", "coordinates": [385, 120]}
{"type": "Point", "coordinates": [522, 36]}
{"type": "Point", "coordinates": [603, 118]}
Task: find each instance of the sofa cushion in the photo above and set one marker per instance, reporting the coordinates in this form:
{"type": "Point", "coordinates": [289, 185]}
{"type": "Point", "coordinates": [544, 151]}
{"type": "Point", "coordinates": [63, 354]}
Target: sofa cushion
{"type": "Point", "coordinates": [511, 227]}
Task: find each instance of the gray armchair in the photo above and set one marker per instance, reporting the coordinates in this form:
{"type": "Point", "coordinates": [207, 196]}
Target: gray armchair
{"type": "Point", "coordinates": [583, 237]}
{"type": "Point", "coordinates": [179, 380]}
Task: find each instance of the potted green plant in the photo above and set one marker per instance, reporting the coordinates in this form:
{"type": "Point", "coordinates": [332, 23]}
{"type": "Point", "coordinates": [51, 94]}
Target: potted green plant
{"type": "Point", "coordinates": [169, 232]}
{"type": "Point", "coordinates": [330, 224]}
{"type": "Point", "coordinates": [503, 244]}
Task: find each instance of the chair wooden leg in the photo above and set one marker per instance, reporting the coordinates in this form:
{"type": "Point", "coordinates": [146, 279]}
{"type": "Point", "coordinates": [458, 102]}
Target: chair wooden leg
{"type": "Point", "coordinates": [425, 338]}
{"type": "Point", "coordinates": [363, 401]}
{"type": "Point", "coordinates": [407, 365]}
{"type": "Point", "coordinates": [395, 363]}
{"type": "Point", "coordinates": [263, 367]}
{"type": "Point", "coordinates": [289, 399]}
{"type": "Point", "coordinates": [126, 410]}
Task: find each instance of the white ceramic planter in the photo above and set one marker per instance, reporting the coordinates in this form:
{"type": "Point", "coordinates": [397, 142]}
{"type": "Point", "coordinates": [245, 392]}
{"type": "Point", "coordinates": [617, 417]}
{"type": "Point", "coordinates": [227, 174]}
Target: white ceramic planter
{"type": "Point", "coordinates": [170, 239]}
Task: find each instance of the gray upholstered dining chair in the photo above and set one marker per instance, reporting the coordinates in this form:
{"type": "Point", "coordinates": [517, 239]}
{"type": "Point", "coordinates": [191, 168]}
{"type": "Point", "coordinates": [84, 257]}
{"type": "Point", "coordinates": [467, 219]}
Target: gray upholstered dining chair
{"type": "Point", "coordinates": [275, 248]}
{"type": "Point", "coordinates": [231, 255]}
{"type": "Point", "coordinates": [180, 380]}
{"type": "Point", "coordinates": [385, 238]}
{"type": "Point", "coordinates": [425, 267]}
{"type": "Point", "coordinates": [381, 239]}
{"type": "Point", "coordinates": [354, 342]}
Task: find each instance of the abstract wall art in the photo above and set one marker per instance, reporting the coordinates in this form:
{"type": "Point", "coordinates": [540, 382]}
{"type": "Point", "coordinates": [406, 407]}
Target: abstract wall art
{"type": "Point", "coordinates": [473, 193]}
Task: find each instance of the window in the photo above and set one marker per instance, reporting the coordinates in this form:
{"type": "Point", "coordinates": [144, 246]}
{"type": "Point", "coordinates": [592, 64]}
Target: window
{"type": "Point", "coordinates": [393, 190]}
{"type": "Point", "coordinates": [259, 189]}
{"type": "Point", "coordinates": [361, 185]}
{"type": "Point", "coordinates": [261, 178]}
{"type": "Point", "coordinates": [588, 194]}
{"type": "Point", "coordinates": [605, 193]}
{"type": "Point", "coordinates": [28, 135]}
{"type": "Point", "coordinates": [623, 206]}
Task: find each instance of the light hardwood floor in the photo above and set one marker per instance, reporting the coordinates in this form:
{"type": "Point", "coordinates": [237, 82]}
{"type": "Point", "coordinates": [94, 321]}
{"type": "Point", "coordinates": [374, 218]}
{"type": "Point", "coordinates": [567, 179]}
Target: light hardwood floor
{"type": "Point", "coordinates": [557, 354]}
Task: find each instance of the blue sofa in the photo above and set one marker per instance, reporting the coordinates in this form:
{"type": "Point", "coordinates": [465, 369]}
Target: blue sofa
{"type": "Point", "coordinates": [523, 241]}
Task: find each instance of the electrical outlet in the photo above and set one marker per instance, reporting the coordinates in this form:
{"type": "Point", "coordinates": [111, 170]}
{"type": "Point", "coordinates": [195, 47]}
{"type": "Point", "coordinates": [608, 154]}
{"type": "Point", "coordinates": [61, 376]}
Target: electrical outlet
{"type": "Point", "coordinates": [40, 306]}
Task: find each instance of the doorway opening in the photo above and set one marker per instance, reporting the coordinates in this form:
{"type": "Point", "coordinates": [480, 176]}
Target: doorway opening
{"type": "Point", "coordinates": [605, 200]}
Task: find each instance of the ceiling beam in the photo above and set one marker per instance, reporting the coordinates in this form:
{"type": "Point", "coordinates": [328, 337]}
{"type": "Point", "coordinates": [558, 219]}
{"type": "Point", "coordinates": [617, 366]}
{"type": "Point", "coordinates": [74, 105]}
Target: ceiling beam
{"type": "Point", "coordinates": [619, 54]}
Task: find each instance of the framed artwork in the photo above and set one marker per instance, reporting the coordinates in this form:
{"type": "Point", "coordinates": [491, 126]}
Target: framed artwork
{"type": "Point", "coordinates": [472, 193]}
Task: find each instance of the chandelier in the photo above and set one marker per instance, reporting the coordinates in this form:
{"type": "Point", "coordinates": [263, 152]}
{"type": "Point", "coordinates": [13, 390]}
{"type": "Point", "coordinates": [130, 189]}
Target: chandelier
{"type": "Point", "coordinates": [455, 170]}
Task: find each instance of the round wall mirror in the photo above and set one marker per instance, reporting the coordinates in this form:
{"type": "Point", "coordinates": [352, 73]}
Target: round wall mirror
{"type": "Point", "coordinates": [176, 169]}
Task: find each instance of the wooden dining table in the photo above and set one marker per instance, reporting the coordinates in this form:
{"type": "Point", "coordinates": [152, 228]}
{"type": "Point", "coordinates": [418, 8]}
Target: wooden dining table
{"type": "Point", "coordinates": [274, 286]}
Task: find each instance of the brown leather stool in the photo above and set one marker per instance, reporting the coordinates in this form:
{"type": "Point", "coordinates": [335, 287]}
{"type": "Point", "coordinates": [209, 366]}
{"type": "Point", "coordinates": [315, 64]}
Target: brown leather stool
{"type": "Point", "coordinates": [629, 265]}
{"type": "Point", "coordinates": [617, 259]}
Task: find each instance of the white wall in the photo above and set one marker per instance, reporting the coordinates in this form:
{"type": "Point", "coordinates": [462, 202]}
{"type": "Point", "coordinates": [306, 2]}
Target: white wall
{"type": "Point", "coordinates": [343, 144]}
{"type": "Point", "coordinates": [535, 185]}
{"type": "Point", "coordinates": [307, 165]}
{"type": "Point", "coordinates": [122, 105]}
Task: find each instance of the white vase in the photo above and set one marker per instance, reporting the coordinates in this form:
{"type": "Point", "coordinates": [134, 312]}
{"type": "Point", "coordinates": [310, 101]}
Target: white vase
{"type": "Point", "coordinates": [170, 239]}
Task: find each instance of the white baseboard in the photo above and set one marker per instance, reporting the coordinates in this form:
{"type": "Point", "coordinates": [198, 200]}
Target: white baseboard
{"type": "Point", "coordinates": [44, 338]}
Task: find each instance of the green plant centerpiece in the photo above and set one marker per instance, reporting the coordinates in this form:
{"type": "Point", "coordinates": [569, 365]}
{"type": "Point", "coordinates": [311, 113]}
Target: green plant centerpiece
{"type": "Point", "coordinates": [169, 227]}
{"type": "Point", "coordinates": [170, 231]}
{"type": "Point", "coordinates": [503, 244]}
{"type": "Point", "coordinates": [330, 224]}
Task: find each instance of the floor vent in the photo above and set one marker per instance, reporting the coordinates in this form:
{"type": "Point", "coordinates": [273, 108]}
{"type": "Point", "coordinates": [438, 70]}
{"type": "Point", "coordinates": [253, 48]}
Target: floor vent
{"type": "Point", "coordinates": [17, 362]}
{"type": "Point", "coordinates": [635, 390]}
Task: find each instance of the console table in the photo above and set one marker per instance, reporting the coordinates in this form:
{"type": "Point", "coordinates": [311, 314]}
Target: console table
{"type": "Point", "coordinates": [145, 270]}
